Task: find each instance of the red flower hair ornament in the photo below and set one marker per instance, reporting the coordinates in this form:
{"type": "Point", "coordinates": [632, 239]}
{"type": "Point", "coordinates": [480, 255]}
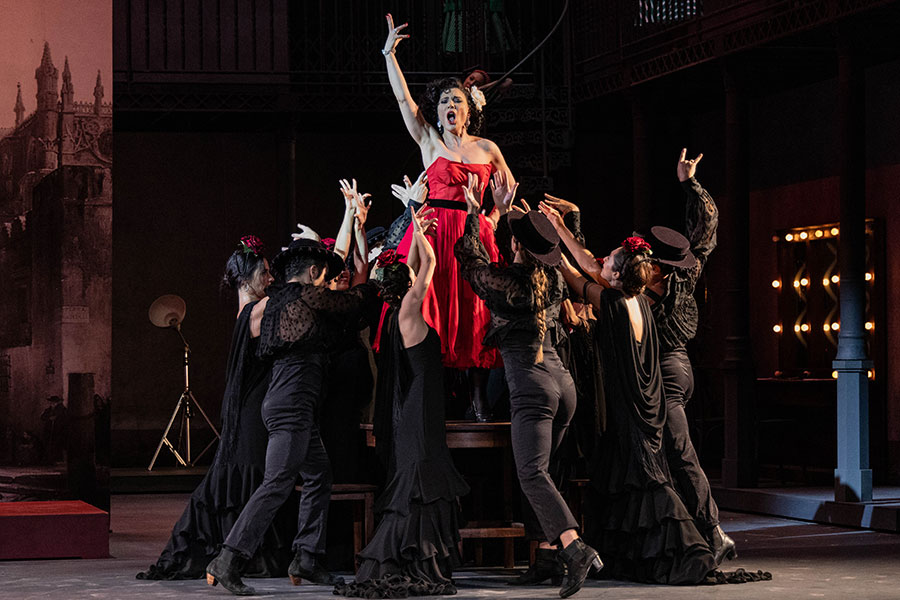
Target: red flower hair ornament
{"type": "Point", "coordinates": [329, 243]}
{"type": "Point", "coordinates": [637, 245]}
{"type": "Point", "coordinates": [384, 260]}
{"type": "Point", "coordinates": [251, 244]}
{"type": "Point", "coordinates": [388, 258]}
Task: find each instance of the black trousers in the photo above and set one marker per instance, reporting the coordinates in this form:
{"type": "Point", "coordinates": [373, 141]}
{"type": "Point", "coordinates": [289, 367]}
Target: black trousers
{"type": "Point", "coordinates": [295, 448]}
{"type": "Point", "coordinates": [690, 480]}
{"type": "Point", "coordinates": [542, 402]}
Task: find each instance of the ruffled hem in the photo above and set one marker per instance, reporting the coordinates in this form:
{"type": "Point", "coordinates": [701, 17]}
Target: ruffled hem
{"type": "Point", "coordinates": [648, 536]}
{"type": "Point", "coordinates": [422, 545]}
{"type": "Point", "coordinates": [394, 586]}
{"type": "Point", "coordinates": [422, 482]}
{"type": "Point", "coordinates": [208, 518]}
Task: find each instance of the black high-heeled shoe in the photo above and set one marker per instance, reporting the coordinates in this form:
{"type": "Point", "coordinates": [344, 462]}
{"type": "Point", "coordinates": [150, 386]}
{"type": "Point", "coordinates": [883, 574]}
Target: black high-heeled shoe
{"type": "Point", "coordinates": [580, 559]}
{"type": "Point", "coordinates": [721, 544]}
{"type": "Point", "coordinates": [305, 566]}
{"type": "Point", "coordinates": [546, 566]}
{"type": "Point", "coordinates": [226, 569]}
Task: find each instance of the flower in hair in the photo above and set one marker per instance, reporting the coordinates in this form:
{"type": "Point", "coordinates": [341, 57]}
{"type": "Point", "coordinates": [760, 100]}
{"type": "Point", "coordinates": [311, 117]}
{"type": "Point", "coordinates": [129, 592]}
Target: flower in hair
{"type": "Point", "coordinates": [388, 258]}
{"type": "Point", "coordinates": [637, 245]}
{"type": "Point", "coordinates": [477, 97]}
{"type": "Point", "coordinates": [329, 243]}
{"type": "Point", "coordinates": [251, 244]}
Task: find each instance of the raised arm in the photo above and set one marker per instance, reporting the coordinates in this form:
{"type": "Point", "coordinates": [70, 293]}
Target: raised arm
{"type": "Point", "coordinates": [588, 290]}
{"type": "Point", "coordinates": [412, 325]}
{"type": "Point", "coordinates": [582, 255]}
{"type": "Point", "coordinates": [342, 241]}
{"type": "Point", "coordinates": [408, 108]}
{"type": "Point", "coordinates": [701, 213]}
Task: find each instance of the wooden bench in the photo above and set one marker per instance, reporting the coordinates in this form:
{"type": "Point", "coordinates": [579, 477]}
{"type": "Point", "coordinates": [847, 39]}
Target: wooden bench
{"type": "Point", "coordinates": [59, 529]}
{"type": "Point", "coordinates": [363, 497]}
{"type": "Point", "coordinates": [508, 532]}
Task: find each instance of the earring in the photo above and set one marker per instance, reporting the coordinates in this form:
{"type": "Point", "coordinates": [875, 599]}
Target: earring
{"type": "Point", "coordinates": [440, 127]}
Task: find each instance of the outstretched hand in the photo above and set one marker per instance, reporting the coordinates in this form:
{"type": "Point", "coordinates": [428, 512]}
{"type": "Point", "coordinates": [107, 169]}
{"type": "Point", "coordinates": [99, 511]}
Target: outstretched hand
{"type": "Point", "coordinates": [357, 201]}
{"type": "Point", "coordinates": [422, 219]}
{"type": "Point", "coordinates": [411, 191]}
{"type": "Point", "coordinates": [394, 35]}
{"type": "Point", "coordinates": [522, 209]}
{"type": "Point", "coordinates": [552, 214]}
{"type": "Point", "coordinates": [474, 185]}
{"type": "Point", "coordinates": [686, 168]}
{"type": "Point", "coordinates": [504, 194]}
{"type": "Point", "coordinates": [563, 206]}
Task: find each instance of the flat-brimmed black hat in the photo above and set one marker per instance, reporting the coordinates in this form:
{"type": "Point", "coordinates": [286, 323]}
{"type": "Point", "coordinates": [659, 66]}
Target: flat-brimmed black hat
{"type": "Point", "coordinates": [534, 231]}
{"type": "Point", "coordinates": [375, 235]}
{"type": "Point", "coordinates": [308, 247]}
{"type": "Point", "coordinates": [670, 247]}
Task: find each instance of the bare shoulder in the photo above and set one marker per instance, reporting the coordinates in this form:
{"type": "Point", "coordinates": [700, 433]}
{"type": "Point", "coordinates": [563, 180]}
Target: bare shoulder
{"type": "Point", "coordinates": [256, 316]}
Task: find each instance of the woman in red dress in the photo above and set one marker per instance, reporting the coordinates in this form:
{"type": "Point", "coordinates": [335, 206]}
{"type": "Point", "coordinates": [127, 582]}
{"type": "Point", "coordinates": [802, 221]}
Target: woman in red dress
{"type": "Point", "coordinates": [441, 127]}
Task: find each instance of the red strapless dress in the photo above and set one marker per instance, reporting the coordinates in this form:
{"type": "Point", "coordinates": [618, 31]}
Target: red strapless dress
{"type": "Point", "coordinates": [460, 318]}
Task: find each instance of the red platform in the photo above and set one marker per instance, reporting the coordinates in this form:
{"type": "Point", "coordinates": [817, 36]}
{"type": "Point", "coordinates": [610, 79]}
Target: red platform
{"type": "Point", "coordinates": [69, 529]}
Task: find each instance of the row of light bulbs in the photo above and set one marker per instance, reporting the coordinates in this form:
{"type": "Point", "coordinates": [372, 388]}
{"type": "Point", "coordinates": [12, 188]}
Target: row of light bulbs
{"type": "Point", "coordinates": [826, 281]}
{"type": "Point", "coordinates": [871, 374]}
{"type": "Point", "coordinates": [802, 236]}
{"type": "Point", "coordinates": [804, 327]}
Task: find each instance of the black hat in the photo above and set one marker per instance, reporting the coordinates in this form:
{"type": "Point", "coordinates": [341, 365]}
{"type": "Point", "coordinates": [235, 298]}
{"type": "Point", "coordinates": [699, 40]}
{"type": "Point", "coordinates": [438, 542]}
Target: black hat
{"type": "Point", "coordinates": [670, 247]}
{"type": "Point", "coordinates": [375, 235]}
{"type": "Point", "coordinates": [309, 247]}
{"type": "Point", "coordinates": [534, 231]}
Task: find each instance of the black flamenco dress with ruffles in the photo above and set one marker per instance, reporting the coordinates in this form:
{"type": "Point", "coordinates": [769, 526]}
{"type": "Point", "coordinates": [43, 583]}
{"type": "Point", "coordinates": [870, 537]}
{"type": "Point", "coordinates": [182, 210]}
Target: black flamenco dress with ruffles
{"type": "Point", "coordinates": [636, 520]}
{"type": "Point", "coordinates": [237, 470]}
{"type": "Point", "coordinates": [415, 546]}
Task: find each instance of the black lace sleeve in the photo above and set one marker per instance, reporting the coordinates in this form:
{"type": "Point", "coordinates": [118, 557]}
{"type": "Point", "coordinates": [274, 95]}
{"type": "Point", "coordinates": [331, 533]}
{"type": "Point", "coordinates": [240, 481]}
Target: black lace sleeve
{"type": "Point", "coordinates": [398, 228]}
{"type": "Point", "coordinates": [503, 237]}
{"type": "Point", "coordinates": [701, 222]}
{"type": "Point", "coordinates": [572, 221]}
{"type": "Point", "coordinates": [492, 283]}
{"type": "Point", "coordinates": [309, 318]}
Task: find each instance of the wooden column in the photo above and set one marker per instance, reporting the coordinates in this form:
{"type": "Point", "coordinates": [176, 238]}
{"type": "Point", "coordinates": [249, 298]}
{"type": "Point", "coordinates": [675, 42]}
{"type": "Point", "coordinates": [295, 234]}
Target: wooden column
{"type": "Point", "coordinates": [739, 462]}
{"type": "Point", "coordinates": [852, 477]}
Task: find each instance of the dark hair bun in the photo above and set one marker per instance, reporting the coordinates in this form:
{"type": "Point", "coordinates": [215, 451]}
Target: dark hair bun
{"type": "Point", "coordinates": [395, 282]}
{"type": "Point", "coordinates": [240, 267]}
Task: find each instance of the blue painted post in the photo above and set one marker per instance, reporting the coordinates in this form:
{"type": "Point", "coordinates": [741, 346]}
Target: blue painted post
{"type": "Point", "coordinates": [852, 477]}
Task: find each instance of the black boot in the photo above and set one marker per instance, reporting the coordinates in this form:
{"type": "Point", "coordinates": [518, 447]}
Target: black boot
{"type": "Point", "coordinates": [306, 566]}
{"type": "Point", "coordinates": [546, 566]}
{"type": "Point", "coordinates": [226, 569]}
{"type": "Point", "coordinates": [721, 544]}
{"type": "Point", "coordinates": [579, 559]}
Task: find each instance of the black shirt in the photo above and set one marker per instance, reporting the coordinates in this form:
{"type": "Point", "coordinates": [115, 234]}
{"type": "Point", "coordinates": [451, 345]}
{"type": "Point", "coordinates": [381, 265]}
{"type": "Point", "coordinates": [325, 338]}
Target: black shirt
{"type": "Point", "coordinates": [509, 292]}
{"type": "Point", "coordinates": [675, 312]}
{"type": "Point", "coordinates": [303, 318]}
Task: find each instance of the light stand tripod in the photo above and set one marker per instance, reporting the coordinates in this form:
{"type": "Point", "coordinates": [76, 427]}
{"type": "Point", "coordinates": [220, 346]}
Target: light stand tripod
{"type": "Point", "coordinates": [186, 403]}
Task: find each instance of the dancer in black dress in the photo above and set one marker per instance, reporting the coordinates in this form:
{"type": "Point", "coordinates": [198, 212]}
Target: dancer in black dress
{"type": "Point", "coordinates": [298, 324]}
{"type": "Point", "coordinates": [641, 527]}
{"type": "Point", "coordinates": [414, 549]}
{"type": "Point", "coordinates": [238, 467]}
{"type": "Point", "coordinates": [524, 301]}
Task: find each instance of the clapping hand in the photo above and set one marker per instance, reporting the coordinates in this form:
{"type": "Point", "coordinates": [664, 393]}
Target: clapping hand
{"type": "Point", "coordinates": [394, 35]}
{"type": "Point", "coordinates": [474, 185]}
{"type": "Point", "coordinates": [411, 191]}
{"type": "Point", "coordinates": [686, 168]}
